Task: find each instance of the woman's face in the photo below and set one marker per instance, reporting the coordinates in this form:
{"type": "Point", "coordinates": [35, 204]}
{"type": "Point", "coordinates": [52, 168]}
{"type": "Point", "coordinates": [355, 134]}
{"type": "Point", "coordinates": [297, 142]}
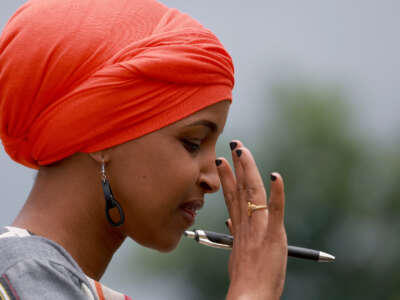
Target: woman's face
{"type": "Point", "coordinates": [160, 179]}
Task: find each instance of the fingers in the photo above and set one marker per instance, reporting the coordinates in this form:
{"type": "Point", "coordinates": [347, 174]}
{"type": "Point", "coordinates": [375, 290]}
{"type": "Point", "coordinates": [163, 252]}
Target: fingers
{"type": "Point", "coordinates": [262, 232]}
{"type": "Point", "coordinates": [228, 183]}
{"type": "Point", "coordinates": [237, 150]}
{"type": "Point", "coordinates": [276, 205]}
{"type": "Point", "coordinates": [251, 191]}
{"type": "Point", "coordinates": [228, 224]}
{"type": "Point", "coordinates": [250, 180]}
{"type": "Point", "coordinates": [243, 187]}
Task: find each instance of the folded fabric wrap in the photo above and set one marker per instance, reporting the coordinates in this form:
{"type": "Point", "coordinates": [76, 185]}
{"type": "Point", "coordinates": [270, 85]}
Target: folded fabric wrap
{"type": "Point", "coordinates": [85, 75]}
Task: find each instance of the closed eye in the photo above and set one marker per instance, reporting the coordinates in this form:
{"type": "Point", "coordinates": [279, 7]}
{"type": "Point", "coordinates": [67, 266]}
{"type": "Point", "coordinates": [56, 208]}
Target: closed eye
{"type": "Point", "coordinates": [190, 146]}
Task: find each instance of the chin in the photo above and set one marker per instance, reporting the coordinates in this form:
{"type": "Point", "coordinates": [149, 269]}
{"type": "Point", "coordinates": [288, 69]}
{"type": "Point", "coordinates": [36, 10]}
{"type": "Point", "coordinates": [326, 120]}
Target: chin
{"type": "Point", "coordinates": [162, 241]}
{"type": "Point", "coordinates": [166, 245]}
{"type": "Point", "coordinates": [165, 248]}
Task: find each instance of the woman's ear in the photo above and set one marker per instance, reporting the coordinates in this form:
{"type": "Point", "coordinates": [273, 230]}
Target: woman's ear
{"type": "Point", "coordinates": [100, 156]}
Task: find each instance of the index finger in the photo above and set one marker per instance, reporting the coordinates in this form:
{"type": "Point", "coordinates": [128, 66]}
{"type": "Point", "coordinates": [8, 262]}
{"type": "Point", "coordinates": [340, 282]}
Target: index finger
{"type": "Point", "coordinates": [228, 183]}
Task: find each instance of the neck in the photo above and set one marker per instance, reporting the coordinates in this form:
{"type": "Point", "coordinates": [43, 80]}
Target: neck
{"type": "Point", "coordinates": [68, 208]}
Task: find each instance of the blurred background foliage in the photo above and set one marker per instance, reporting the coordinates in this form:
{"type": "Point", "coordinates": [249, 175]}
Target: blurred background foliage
{"type": "Point", "coordinates": [342, 197]}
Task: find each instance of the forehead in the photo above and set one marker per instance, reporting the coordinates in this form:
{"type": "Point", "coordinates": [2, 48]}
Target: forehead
{"type": "Point", "coordinates": [216, 113]}
{"type": "Point", "coordinates": [213, 116]}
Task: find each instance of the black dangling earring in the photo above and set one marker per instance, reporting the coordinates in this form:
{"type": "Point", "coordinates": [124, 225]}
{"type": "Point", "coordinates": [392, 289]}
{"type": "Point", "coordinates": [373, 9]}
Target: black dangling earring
{"type": "Point", "coordinates": [110, 200]}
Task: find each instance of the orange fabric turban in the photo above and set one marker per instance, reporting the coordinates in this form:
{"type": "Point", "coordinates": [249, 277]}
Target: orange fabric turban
{"type": "Point", "coordinates": [85, 75]}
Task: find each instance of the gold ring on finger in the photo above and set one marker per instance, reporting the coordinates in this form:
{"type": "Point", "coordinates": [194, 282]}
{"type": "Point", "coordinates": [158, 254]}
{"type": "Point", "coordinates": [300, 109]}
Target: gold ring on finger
{"type": "Point", "coordinates": [252, 207]}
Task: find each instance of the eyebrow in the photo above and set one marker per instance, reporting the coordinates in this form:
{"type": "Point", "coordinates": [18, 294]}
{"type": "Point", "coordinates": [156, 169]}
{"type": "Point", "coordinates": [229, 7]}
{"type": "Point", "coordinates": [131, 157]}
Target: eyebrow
{"type": "Point", "coordinates": [209, 124]}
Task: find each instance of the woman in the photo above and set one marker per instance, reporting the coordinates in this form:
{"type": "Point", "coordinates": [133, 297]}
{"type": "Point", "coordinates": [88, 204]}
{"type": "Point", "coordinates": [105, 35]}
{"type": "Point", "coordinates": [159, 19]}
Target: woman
{"type": "Point", "coordinates": [119, 105]}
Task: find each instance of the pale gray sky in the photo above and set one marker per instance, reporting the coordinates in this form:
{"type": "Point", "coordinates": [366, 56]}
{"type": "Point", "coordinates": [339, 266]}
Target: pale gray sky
{"type": "Point", "coordinates": [353, 43]}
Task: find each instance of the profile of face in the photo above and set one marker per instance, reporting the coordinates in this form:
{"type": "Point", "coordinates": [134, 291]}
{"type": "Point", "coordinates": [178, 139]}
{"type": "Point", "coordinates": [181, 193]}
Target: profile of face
{"type": "Point", "coordinates": [160, 179]}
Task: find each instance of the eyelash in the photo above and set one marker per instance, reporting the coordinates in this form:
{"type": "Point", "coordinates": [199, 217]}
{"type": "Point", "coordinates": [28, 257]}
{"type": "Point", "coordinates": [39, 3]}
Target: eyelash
{"type": "Point", "coordinates": [191, 147]}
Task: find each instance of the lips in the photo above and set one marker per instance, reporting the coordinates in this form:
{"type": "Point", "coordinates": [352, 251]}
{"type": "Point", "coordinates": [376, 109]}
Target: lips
{"type": "Point", "coordinates": [190, 208]}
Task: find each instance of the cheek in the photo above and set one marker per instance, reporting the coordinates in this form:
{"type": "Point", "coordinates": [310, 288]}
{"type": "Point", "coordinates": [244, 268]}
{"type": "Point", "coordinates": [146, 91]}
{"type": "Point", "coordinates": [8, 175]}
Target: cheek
{"type": "Point", "coordinates": [171, 168]}
{"type": "Point", "coordinates": [152, 200]}
{"type": "Point", "coordinates": [169, 183]}
{"type": "Point", "coordinates": [156, 181]}
{"type": "Point", "coordinates": [151, 184]}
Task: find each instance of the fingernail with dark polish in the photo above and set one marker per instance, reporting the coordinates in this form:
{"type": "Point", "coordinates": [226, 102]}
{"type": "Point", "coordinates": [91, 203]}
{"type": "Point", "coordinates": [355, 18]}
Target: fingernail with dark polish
{"type": "Point", "coordinates": [227, 223]}
{"type": "Point", "coordinates": [239, 152]}
{"type": "Point", "coordinates": [273, 177]}
{"type": "Point", "coordinates": [232, 145]}
{"type": "Point", "coordinates": [218, 162]}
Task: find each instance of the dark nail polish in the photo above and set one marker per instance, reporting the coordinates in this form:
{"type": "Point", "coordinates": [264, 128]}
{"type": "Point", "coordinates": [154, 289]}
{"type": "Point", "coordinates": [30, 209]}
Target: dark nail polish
{"type": "Point", "coordinates": [227, 223]}
{"type": "Point", "coordinates": [239, 152]}
{"type": "Point", "coordinates": [273, 177]}
{"type": "Point", "coordinates": [232, 145]}
{"type": "Point", "coordinates": [218, 162]}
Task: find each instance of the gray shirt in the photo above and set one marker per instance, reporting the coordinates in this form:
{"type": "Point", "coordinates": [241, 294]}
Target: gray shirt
{"type": "Point", "coordinates": [33, 267]}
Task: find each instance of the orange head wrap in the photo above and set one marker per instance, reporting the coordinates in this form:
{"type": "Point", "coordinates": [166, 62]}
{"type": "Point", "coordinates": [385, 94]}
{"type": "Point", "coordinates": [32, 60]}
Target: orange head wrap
{"type": "Point", "coordinates": [85, 75]}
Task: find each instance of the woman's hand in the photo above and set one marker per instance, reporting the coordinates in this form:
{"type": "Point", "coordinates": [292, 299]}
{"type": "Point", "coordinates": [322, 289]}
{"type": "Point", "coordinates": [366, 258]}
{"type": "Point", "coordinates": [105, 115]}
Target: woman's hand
{"type": "Point", "coordinates": [257, 265]}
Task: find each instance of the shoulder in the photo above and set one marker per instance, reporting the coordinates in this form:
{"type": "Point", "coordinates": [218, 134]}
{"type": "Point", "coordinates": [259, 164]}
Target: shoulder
{"type": "Point", "coordinates": [33, 267]}
{"type": "Point", "coordinates": [17, 246]}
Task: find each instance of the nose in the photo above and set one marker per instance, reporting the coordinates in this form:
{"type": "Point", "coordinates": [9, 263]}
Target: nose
{"type": "Point", "coordinates": [209, 180]}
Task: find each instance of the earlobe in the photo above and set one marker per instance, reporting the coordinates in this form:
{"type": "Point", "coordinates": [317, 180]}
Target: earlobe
{"type": "Point", "coordinates": [103, 157]}
{"type": "Point", "coordinates": [111, 202]}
